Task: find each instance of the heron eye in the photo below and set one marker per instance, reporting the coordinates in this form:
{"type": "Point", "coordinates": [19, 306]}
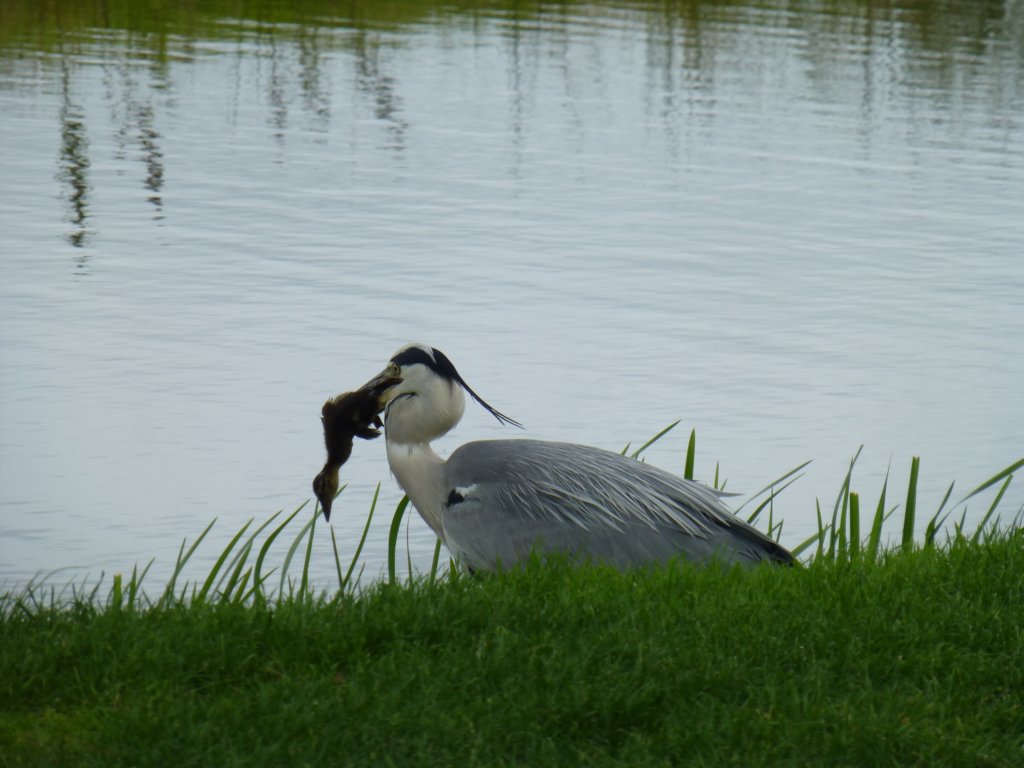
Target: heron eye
{"type": "Point", "coordinates": [393, 369]}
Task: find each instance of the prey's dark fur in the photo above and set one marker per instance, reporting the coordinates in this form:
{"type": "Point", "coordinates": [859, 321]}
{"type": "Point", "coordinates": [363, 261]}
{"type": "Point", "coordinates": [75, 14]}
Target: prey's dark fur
{"type": "Point", "coordinates": [345, 417]}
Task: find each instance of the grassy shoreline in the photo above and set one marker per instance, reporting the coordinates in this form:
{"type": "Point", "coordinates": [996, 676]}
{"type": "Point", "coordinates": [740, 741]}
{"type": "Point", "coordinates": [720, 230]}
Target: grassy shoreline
{"type": "Point", "coordinates": [872, 653]}
{"type": "Point", "coordinates": [914, 659]}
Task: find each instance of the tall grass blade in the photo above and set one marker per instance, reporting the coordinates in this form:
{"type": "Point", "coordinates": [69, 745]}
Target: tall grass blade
{"type": "Point", "coordinates": [337, 561]}
{"type": "Point", "coordinates": [995, 503]}
{"type": "Point", "coordinates": [842, 544]}
{"type": "Point", "coordinates": [433, 563]}
{"type": "Point", "coordinates": [243, 553]}
{"type": "Point", "coordinates": [691, 457]}
{"type": "Point", "coordinates": [304, 585]}
{"type": "Point", "coordinates": [117, 593]}
{"type": "Point", "coordinates": [396, 527]}
{"type": "Point", "coordinates": [958, 527]}
{"type": "Point", "coordinates": [135, 586]}
{"type": "Point", "coordinates": [201, 597]}
{"type": "Point", "coordinates": [653, 440]}
{"type": "Point", "coordinates": [239, 592]}
{"type": "Point", "coordinates": [993, 480]}
{"type": "Point", "coordinates": [803, 545]}
{"type": "Point", "coordinates": [875, 537]}
{"type": "Point", "coordinates": [770, 500]}
{"type": "Point", "coordinates": [841, 500]}
{"type": "Point", "coordinates": [910, 510]}
{"type": "Point", "coordinates": [183, 557]}
{"type": "Point", "coordinates": [91, 599]}
{"type": "Point", "coordinates": [773, 484]}
{"type": "Point", "coordinates": [225, 590]}
{"type": "Point", "coordinates": [822, 529]}
{"type": "Point", "coordinates": [291, 553]}
{"type": "Point", "coordinates": [362, 540]}
{"type": "Point", "coordinates": [408, 554]}
{"type": "Point", "coordinates": [937, 521]}
{"type": "Point", "coordinates": [854, 526]}
{"type": "Point", "coordinates": [258, 578]}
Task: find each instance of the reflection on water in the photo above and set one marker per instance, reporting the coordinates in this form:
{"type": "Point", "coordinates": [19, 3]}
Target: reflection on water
{"type": "Point", "coordinates": [73, 163]}
{"type": "Point", "coordinates": [132, 116]}
{"type": "Point", "coordinates": [378, 86]}
{"type": "Point", "coordinates": [133, 113]}
{"type": "Point", "coordinates": [795, 225]}
{"type": "Point", "coordinates": [933, 52]}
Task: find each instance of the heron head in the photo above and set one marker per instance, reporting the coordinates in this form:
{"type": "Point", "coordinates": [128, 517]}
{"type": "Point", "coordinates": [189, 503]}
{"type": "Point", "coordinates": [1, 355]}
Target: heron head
{"type": "Point", "coordinates": [428, 401]}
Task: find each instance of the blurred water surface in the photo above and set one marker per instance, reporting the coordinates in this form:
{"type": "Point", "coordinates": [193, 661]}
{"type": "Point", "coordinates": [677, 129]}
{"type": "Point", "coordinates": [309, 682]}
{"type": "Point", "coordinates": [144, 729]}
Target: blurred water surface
{"type": "Point", "coordinates": [796, 226]}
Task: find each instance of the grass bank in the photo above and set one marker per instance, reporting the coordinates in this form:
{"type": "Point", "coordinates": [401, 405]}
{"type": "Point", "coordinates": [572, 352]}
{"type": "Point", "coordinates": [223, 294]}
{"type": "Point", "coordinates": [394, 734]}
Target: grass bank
{"type": "Point", "coordinates": [916, 658]}
{"type": "Point", "coordinates": [875, 652]}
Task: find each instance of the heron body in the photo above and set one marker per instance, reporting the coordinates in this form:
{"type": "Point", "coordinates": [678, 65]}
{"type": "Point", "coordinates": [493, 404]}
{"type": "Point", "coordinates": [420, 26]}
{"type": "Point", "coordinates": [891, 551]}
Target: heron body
{"type": "Point", "coordinates": [494, 502]}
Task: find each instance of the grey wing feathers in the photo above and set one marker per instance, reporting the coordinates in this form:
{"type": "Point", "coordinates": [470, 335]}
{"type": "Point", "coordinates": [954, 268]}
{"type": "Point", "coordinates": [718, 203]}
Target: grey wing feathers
{"type": "Point", "coordinates": [509, 497]}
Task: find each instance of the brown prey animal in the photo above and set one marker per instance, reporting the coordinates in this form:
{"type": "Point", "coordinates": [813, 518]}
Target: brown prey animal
{"type": "Point", "coordinates": [347, 416]}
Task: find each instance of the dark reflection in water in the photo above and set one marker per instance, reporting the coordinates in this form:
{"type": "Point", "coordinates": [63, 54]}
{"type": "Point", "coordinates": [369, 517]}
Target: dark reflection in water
{"type": "Point", "coordinates": [133, 112]}
{"type": "Point", "coordinates": [152, 156]}
{"type": "Point", "coordinates": [278, 118]}
{"type": "Point", "coordinates": [315, 84]}
{"type": "Point", "coordinates": [73, 162]}
{"type": "Point", "coordinates": [378, 86]}
{"type": "Point", "coordinates": [932, 48]}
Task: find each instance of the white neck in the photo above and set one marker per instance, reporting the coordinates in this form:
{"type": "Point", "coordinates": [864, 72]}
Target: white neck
{"type": "Point", "coordinates": [420, 473]}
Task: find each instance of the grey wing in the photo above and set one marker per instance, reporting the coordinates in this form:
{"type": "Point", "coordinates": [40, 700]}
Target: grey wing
{"type": "Point", "coordinates": [508, 498]}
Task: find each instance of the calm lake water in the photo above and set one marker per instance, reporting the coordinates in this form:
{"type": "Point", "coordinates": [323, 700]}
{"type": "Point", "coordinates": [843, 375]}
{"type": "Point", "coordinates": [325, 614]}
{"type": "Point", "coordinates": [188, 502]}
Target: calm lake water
{"type": "Point", "coordinates": [796, 226]}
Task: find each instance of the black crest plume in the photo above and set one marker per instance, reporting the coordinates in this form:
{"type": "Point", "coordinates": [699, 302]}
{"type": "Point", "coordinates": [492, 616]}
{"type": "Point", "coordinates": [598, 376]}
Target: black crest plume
{"type": "Point", "coordinates": [442, 366]}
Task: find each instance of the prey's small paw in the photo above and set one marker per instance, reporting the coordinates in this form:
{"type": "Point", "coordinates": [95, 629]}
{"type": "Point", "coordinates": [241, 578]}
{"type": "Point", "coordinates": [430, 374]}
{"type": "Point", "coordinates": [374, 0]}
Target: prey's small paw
{"type": "Point", "coordinates": [367, 433]}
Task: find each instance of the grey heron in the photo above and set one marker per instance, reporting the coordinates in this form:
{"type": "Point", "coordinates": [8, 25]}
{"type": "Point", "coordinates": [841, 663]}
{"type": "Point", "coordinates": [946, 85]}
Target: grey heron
{"type": "Point", "coordinates": [494, 502]}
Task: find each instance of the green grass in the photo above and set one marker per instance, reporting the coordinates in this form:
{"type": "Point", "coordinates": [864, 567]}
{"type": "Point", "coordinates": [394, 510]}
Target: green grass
{"type": "Point", "coordinates": [917, 659]}
{"type": "Point", "coordinates": [875, 652]}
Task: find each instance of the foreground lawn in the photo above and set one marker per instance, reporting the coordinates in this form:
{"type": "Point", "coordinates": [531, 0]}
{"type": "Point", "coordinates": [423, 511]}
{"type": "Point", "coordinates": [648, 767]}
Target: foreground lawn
{"type": "Point", "coordinates": [915, 660]}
